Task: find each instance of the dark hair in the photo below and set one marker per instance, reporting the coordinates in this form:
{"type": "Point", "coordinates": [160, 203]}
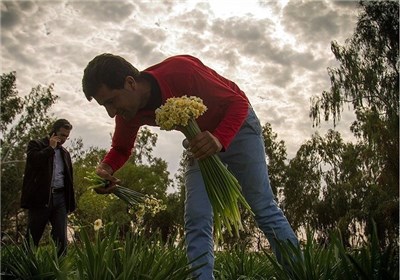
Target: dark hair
{"type": "Point", "coordinates": [61, 123]}
{"type": "Point", "coordinates": [106, 69]}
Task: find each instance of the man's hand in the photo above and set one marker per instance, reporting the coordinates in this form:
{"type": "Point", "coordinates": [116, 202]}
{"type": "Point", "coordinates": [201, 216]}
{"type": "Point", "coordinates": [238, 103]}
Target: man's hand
{"type": "Point", "coordinates": [204, 145]}
{"type": "Point", "coordinates": [105, 172]}
{"type": "Point", "coordinates": [54, 140]}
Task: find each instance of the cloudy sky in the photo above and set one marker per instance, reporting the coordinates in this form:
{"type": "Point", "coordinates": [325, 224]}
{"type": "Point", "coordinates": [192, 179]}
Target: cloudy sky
{"type": "Point", "coordinates": [278, 52]}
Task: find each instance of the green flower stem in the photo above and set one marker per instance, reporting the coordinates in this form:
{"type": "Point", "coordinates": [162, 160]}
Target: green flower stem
{"type": "Point", "coordinates": [222, 188]}
{"type": "Point", "coordinates": [127, 195]}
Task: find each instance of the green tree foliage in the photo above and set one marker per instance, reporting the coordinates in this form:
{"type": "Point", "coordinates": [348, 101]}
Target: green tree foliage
{"type": "Point", "coordinates": [142, 172]}
{"type": "Point", "coordinates": [29, 114]}
{"type": "Point", "coordinates": [22, 119]}
{"type": "Point", "coordinates": [276, 158]}
{"type": "Point", "coordinates": [90, 206]}
{"type": "Point", "coordinates": [170, 221]}
{"type": "Point", "coordinates": [11, 103]}
{"type": "Point", "coordinates": [368, 80]}
{"type": "Point", "coordinates": [323, 189]}
{"type": "Point", "coordinates": [145, 142]}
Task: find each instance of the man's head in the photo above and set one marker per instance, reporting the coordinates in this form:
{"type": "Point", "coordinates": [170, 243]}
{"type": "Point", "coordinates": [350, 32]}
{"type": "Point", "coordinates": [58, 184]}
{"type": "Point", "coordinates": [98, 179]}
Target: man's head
{"type": "Point", "coordinates": [114, 83]}
{"type": "Point", "coordinates": [106, 70]}
{"type": "Point", "coordinates": [61, 128]}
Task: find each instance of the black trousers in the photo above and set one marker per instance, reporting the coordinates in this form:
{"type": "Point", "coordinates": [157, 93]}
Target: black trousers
{"type": "Point", "coordinates": [56, 214]}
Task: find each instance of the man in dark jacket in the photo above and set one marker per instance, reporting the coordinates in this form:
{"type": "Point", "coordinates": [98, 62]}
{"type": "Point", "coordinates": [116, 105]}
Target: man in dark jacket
{"type": "Point", "coordinates": [47, 190]}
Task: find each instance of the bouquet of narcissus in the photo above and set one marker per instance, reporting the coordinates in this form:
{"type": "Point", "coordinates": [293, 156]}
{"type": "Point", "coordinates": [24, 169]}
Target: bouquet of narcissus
{"type": "Point", "coordinates": [131, 197]}
{"type": "Point", "coordinates": [222, 187]}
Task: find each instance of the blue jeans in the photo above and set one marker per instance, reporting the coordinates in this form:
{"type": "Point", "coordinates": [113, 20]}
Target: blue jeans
{"type": "Point", "coordinates": [245, 158]}
{"type": "Point", "coordinates": [56, 214]}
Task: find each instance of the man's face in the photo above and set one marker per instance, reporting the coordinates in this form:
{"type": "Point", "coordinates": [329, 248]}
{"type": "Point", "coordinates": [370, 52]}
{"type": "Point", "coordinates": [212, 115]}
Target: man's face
{"type": "Point", "coordinates": [63, 135]}
{"type": "Point", "coordinates": [123, 102]}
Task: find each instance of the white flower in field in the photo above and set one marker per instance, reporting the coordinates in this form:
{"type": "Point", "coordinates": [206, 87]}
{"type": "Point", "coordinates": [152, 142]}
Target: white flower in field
{"type": "Point", "coordinates": [140, 212]}
{"type": "Point", "coordinates": [98, 224]}
{"type": "Point", "coordinates": [76, 228]}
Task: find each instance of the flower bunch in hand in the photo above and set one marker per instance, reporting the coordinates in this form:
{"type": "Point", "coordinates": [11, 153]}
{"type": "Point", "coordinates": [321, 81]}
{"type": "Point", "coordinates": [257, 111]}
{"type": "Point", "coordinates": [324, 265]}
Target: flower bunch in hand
{"type": "Point", "coordinates": [129, 196]}
{"type": "Point", "coordinates": [178, 112]}
{"type": "Point", "coordinates": [222, 187]}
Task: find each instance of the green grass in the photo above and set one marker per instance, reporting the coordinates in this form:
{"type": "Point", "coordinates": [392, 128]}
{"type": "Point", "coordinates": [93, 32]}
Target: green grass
{"type": "Point", "coordinates": [238, 263]}
{"type": "Point", "coordinates": [22, 261]}
{"type": "Point", "coordinates": [105, 255]}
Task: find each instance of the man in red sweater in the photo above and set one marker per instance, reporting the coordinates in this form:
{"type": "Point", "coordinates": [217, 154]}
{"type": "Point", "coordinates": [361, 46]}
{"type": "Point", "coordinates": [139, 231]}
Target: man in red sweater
{"type": "Point", "coordinates": [229, 127]}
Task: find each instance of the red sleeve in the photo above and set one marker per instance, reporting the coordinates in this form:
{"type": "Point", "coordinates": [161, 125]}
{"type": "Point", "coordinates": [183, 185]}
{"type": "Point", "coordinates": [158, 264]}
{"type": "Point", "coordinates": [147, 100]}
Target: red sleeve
{"type": "Point", "coordinates": [235, 115]}
{"type": "Point", "coordinates": [122, 143]}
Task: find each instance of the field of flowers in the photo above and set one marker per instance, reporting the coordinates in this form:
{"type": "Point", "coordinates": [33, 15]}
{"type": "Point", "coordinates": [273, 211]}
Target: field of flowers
{"type": "Point", "coordinates": [101, 252]}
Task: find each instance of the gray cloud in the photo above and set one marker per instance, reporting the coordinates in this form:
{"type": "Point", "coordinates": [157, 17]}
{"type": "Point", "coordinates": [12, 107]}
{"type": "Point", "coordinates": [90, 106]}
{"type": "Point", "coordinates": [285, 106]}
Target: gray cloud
{"type": "Point", "coordinates": [243, 29]}
{"type": "Point", "coordinates": [160, 8]}
{"type": "Point", "coordinates": [194, 20]}
{"type": "Point", "coordinates": [311, 20]}
{"type": "Point", "coordinates": [52, 42]}
{"type": "Point", "coordinates": [137, 42]}
{"type": "Point", "coordinates": [9, 14]}
{"type": "Point", "coordinates": [315, 21]}
{"type": "Point", "coordinates": [346, 4]}
{"type": "Point", "coordinates": [104, 11]}
{"type": "Point", "coordinates": [12, 11]}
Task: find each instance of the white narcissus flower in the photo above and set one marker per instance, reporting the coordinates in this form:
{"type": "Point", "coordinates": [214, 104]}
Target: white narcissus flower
{"type": "Point", "coordinates": [77, 228]}
{"type": "Point", "coordinates": [177, 111]}
{"type": "Point", "coordinates": [98, 224]}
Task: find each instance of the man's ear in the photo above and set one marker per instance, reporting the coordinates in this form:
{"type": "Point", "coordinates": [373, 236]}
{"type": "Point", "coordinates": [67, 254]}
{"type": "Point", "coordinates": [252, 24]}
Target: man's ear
{"type": "Point", "coordinates": [130, 82]}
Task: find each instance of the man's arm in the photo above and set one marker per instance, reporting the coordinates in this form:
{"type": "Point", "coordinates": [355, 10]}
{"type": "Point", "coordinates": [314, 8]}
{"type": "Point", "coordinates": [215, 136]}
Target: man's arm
{"type": "Point", "coordinates": [122, 144]}
{"type": "Point", "coordinates": [36, 153]}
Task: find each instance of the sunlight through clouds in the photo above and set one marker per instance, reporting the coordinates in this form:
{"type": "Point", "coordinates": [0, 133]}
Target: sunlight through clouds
{"type": "Point", "coordinates": [276, 51]}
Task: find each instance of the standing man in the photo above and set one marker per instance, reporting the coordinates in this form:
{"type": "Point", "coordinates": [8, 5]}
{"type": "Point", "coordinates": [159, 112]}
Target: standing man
{"type": "Point", "coordinates": [230, 128]}
{"type": "Point", "coordinates": [47, 190]}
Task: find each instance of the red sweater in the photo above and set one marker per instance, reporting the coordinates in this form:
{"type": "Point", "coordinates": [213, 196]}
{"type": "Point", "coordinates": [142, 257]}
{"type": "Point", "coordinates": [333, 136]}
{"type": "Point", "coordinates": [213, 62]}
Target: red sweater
{"type": "Point", "coordinates": [180, 75]}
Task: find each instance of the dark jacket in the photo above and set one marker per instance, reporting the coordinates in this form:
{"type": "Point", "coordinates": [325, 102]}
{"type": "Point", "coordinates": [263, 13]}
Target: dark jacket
{"type": "Point", "coordinates": [36, 188]}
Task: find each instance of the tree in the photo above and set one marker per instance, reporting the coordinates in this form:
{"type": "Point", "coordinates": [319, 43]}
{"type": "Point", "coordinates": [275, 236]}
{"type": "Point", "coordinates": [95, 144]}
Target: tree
{"type": "Point", "coordinates": [145, 142]}
{"type": "Point", "coordinates": [368, 80]}
{"type": "Point", "coordinates": [323, 191]}
{"type": "Point", "coordinates": [11, 103]}
{"type": "Point", "coordinates": [276, 158]}
{"type": "Point", "coordinates": [22, 119]}
{"type": "Point", "coordinates": [143, 173]}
